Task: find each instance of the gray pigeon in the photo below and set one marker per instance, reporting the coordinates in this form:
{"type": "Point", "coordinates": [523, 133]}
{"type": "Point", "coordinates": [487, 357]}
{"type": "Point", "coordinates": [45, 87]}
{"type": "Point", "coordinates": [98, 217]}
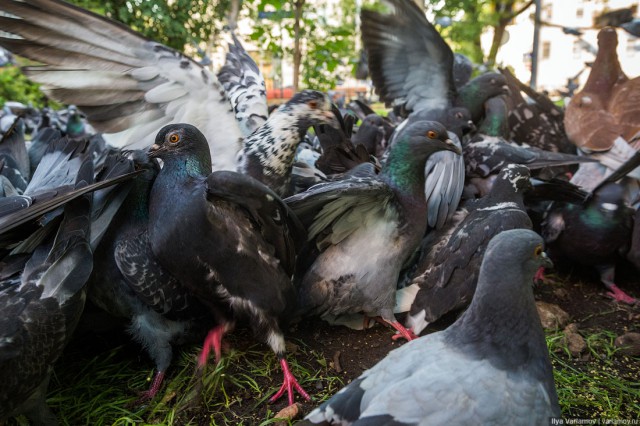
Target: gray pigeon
{"type": "Point", "coordinates": [490, 367]}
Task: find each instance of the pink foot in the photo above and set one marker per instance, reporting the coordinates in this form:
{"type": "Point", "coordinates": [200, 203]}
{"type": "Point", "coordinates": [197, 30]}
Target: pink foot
{"type": "Point", "coordinates": [212, 341]}
{"type": "Point", "coordinates": [620, 296]}
{"type": "Point", "coordinates": [404, 333]}
{"type": "Point", "coordinates": [148, 395]}
{"type": "Point", "coordinates": [288, 384]}
{"type": "Point", "coordinates": [539, 277]}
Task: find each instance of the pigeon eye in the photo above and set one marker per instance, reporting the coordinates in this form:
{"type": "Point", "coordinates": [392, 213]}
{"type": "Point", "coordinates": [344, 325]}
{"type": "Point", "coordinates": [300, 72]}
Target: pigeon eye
{"type": "Point", "coordinates": [538, 251]}
{"type": "Point", "coordinates": [174, 138]}
{"type": "Point", "coordinates": [431, 134]}
{"type": "Point", "coordinates": [313, 104]}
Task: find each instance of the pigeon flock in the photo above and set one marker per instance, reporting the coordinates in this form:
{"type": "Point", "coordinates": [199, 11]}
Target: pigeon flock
{"type": "Point", "coordinates": [173, 199]}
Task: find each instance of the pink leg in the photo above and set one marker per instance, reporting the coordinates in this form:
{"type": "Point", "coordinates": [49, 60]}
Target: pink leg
{"type": "Point", "coordinates": [212, 341]}
{"type": "Point", "coordinates": [153, 390]}
{"type": "Point", "coordinates": [404, 333]}
{"type": "Point", "coordinates": [288, 384]}
{"type": "Point", "coordinates": [619, 295]}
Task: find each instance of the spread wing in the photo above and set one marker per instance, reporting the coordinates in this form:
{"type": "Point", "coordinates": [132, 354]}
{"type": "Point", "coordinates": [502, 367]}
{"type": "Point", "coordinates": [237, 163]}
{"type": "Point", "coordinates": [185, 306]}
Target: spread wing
{"type": "Point", "coordinates": [408, 59]}
{"type": "Point", "coordinates": [129, 87]}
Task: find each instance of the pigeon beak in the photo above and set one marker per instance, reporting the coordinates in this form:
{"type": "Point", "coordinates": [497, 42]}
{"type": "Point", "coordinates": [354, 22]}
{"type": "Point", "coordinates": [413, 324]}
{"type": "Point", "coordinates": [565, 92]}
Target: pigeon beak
{"type": "Point", "coordinates": [452, 146]}
{"type": "Point", "coordinates": [546, 262]}
{"type": "Point", "coordinates": [154, 150]}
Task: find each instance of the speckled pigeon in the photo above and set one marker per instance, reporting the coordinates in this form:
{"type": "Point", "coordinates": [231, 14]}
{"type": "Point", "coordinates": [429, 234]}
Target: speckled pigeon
{"type": "Point", "coordinates": [447, 270]}
{"type": "Point", "coordinates": [491, 366]}
{"type": "Point", "coordinates": [365, 228]}
{"type": "Point", "coordinates": [270, 151]}
{"type": "Point", "coordinates": [242, 80]}
{"type": "Point", "coordinates": [227, 238]}
{"type": "Point", "coordinates": [490, 148]}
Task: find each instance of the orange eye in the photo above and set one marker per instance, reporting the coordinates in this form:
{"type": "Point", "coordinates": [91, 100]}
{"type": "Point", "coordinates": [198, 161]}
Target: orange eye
{"type": "Point", "coordinates": [174, 138]}
{"type": "Point", "coordinates": [431, 134]}
{"type": "Point", "coordinates": [538, 251]}
{"type": "Point", "coordinates": [313, 104]}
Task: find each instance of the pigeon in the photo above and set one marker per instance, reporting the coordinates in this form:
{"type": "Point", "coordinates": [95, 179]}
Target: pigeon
{"type": "Point", "coordinates": [373, 133]}
{"type": "Point", "coordinates": [535, 121]}
{"type": "Point", "coordinates": [236, 238]}
{"type": "Point", "coordinates": [596, 233]}
{"type": "Point", "coordinates": [128, 86]}
{"type": "Point", "coordinates": [634, 251]}
{"type": "Point", "coordinates": [491, 366]}
{"type": "Point", "coordinates": [128, 283]}
{"type": "Point", "coordinates": [447, 271]}
{"type": "Point", "coordinates": [40, 305]}
{"type": "Point", "coordinates": [364, 228]}
{"type": "Point", "coordinates": [269, 152]}
{"type": "Point", "coordinates": [14, 160]}
{"type": "Point", "coordinates": [339, 153]}
{"type": "Point", "coordinates": [411, 64]}
{"type": "Point", "coordinates": [607, 105]}
{"type": "Point", "coordinates": [490, 149]}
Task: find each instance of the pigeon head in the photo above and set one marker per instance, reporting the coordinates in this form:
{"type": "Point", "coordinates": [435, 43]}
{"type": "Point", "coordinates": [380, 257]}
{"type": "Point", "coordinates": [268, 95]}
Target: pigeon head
{"type": "Point", "coordinates": [456, 119]}
{"type": "Point", "coordinates": [311, 107]}
{"type": "Point", "coordinates": [513, 178]}
{"type": "Point", "coordinates": [502, 323]}
{"type": "Point", "coordinates": [177, 141]}
{"type": "Point", "coordinates": [474, 94]}
{"type": "Point", "coordinates": [404, 166]}
{"type": "Point", "coordinates": [609, 200]}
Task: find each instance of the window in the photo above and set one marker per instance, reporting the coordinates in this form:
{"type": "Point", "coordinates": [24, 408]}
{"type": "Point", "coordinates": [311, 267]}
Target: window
{"type": "Point", "coordinates": [547, 11]}
{"type": "Point", "coordinates": [546, 49]}
{"type": "Point", "coordinates": [579, 13]}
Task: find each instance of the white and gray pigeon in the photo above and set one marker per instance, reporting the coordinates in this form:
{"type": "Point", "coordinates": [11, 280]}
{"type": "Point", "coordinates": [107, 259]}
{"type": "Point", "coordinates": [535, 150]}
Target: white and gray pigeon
{"type": "Point", "coordinates": [491, 366]}
{"type": "Point", "coordinates": [364, 228]}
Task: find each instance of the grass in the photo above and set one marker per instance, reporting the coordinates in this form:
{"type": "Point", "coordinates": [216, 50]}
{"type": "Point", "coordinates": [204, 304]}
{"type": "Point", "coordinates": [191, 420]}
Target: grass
{"type": "Point", "coordinates": [599, 385]}
{"type": "Point", "coordinates": [102, 388]}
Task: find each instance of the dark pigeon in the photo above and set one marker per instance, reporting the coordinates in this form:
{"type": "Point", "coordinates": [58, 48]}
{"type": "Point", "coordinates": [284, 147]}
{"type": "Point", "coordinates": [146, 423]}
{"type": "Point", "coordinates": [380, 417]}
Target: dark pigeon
{"type": "Point", "coordinates": [128, 283]}
{"type": "Point", "coordinates": [491, 366]}
{"type": "Point", "coordinates": [40, 305]}
{"type": "Point", "coordinates": [373, 133]}
{"type": "Point", "coordinates": [447, 270]}
{"type": "Point", "coordinates": [14, 160]}
{"type": "Point", "coordinates": [594, 234]}
{"type": "Point", "coordinates": [365, 227]}
{"type": "Point", "coordinates": [228, 239]}
{"type": "Point", "coordinates": [269, 152]}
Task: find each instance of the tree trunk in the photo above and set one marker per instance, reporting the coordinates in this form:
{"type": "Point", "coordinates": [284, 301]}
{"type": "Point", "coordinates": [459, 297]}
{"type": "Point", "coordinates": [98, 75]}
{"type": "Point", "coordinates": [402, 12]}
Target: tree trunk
{"type": "Point", "coordinates": [297, 54]}
{"type": "Point", "coordinates": [504, 9]}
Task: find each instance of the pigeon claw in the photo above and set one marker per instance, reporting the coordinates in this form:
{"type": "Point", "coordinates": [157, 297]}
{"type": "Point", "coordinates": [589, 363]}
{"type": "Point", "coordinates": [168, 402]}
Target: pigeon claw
{"type": "Point", "coordinates": [149, 394]}
{"type": "Point", "coordinates": [620, 296]}
{"type": "Point", "coordinates": [288, 385]}
{"type": "Point", "coordinates": [403, 333]}
{"type": "Point", "coordinates": [212, 341]}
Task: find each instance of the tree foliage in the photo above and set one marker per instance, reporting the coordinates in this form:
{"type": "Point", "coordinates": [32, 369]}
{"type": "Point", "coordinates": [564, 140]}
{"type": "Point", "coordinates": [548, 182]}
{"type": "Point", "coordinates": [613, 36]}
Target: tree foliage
{"type": "Point", "coordinates": [14, 86]}
{"type": "Point", "coordinates": [469, 18]}
{"type": "Point", "coordinates": [171, 22]}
